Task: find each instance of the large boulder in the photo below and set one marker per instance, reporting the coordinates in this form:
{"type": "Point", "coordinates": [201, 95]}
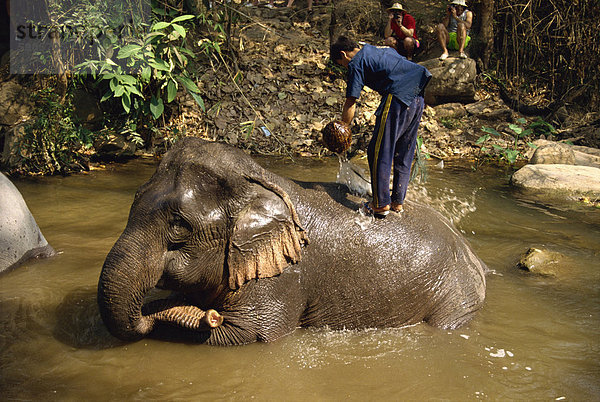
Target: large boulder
{"type": "Point", "coordinates": [11, 156]}
{"type": "Point", "coordinates": [453, 80]}
{"type": "Point", "coordinates": [115, 146]}
{"type": "Point", "coordinates": [551, 152]}
{"type": "Point", "coordinates": [20, 236]}
{"type": "Point", "coordinates": [490, 109]}
{"type": "Point", "coordinates": [14, 103]}
{"type": "Point", "coordinates": [86, 109]}
{"type": "Point", "coordinates": [559, 179]}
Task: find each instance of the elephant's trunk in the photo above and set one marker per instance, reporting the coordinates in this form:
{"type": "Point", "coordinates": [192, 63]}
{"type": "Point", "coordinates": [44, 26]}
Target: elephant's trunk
{"type": "Point", "coordinates": [182, 315]}
{"type": "Point", "coordinates": [124, 282]}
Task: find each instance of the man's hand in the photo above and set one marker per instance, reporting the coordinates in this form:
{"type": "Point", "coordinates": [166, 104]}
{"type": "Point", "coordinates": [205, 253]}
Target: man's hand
{"type": "Point", "coordinates": [452, 11]}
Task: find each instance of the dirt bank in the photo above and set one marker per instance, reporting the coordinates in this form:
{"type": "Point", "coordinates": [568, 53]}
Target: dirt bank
{"type": "Point", "coordinates": [286, 93]}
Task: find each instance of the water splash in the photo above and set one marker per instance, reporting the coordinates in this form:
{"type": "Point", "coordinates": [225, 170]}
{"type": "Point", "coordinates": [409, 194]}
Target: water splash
{"type": "Point", "coordinates": [445, 201]}
{"type": "Point", "coordinates": [354, 177]}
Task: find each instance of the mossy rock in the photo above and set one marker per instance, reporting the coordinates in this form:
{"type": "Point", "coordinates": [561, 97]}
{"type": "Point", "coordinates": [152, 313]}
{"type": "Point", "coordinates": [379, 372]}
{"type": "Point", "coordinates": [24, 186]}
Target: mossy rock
{"type": "Point", "coordinates": [541, 262]}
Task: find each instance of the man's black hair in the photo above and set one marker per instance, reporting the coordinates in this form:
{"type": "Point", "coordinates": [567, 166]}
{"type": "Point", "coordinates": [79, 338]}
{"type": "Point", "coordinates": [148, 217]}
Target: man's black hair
{"type": "Point", "coordinates": [343, 44]}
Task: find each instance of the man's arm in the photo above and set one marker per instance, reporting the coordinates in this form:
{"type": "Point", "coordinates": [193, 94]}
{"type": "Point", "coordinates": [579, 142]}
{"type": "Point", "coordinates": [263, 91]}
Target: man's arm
{"type": "Point", "coordinates": [349, 110]}
{"type": "Point", "coordinates": [408, 26]}
{"type": "Point", "coordinates": [469, 20]}
{"type": "Point", "coordinates": [387, 32]}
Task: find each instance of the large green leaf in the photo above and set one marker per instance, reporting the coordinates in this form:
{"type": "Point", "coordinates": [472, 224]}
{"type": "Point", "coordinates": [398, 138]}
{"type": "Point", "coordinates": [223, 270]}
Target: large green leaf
{"type": "Point", "coordinates": [511, 155]}
{"type": "Point", "coordinates": [189, 84]}
{"type": "Point", "coordinates": [126, 102]}
{"type": "Point", "coordinates": [159, 64]}
{"type": "Point", "coordinates": [156, 107]}
{"type": "Point", "coordinates": [106, 96]}
{"type": "Point", "coordinates": [146, 74]}
{"type": "Point", "coordinates": [490, 130]}
{"type": "Point", "coordinates": [171, 91]}
{"type": "Point", "coordinates": [180, 30]}
{"type": "Point", "coordinates": [127, 50]}
{"type": "Point", "coordinates": [482, 139]}
{"type": "Point", "coordinates": [198, 100]}
{"type": "Point", "coordinates": [515, 128]}
{"type": "Point", "coordinates": [134, 90]}
{"type": "Point", "coordinates": [160, 25]}
{"type": "Point", "coordinates": [182, 18]}
{"type": "Point", "coordinates": [128, 79]}
{"type": "Point", "coordinates": [119, 90]}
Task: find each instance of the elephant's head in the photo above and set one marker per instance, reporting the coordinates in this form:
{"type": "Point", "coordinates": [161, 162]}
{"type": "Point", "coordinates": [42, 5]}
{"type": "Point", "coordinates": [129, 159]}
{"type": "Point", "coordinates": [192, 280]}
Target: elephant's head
{"type": "Point", "coordinates": [206, 222]}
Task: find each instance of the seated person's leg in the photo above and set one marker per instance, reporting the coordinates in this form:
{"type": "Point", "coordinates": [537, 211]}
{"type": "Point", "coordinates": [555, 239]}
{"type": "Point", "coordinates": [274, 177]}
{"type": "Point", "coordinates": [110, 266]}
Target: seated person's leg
{"type": "Point", "coordinates": [391, 42]}
{"type": "Point", "coordinates": [443, 38]}
{"type": "Point", "coordinates": [409, 47]}
{"type": "Point", "coordinates": [462, 39]}
{"type": "Point", "coordinates": [461, 35]}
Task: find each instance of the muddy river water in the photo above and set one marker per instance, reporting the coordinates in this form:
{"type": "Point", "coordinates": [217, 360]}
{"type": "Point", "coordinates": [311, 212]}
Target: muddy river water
{"type": "Point", "coordinates": [536, 338]}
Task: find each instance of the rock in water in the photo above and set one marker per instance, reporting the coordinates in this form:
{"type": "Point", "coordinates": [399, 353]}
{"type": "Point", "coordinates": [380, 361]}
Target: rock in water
{"type": "Point", "coordinates": [557, 179]}
{"type": "Point", "coordinates": [541, 262]}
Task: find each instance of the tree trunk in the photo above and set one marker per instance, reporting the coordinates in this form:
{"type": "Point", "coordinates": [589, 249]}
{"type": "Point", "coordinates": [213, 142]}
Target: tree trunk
{"type": "Point", "coordinates": [487, 30]}
{"type": "Point", "coordinates": [333, 28]}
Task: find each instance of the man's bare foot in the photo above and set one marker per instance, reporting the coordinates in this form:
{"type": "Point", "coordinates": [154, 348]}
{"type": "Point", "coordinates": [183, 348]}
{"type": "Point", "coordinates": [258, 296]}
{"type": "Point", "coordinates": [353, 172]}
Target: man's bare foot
{"type": "Point", "coordinates": [396, 207]}
{"type": "Point", "coordinates": [369, 210]}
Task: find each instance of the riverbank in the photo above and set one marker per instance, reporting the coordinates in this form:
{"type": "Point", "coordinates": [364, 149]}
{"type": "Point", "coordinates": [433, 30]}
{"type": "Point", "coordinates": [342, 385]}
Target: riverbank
{"type": "Point", "coordinates": [284, 92]}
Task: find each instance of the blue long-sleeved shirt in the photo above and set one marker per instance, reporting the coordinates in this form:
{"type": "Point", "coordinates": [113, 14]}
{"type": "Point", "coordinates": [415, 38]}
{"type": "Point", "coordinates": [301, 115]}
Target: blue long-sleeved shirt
{"type": "Point", "coordinates": [384, 70]}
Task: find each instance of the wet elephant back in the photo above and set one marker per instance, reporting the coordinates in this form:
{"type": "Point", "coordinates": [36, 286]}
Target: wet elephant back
{"type": "Point", "coordinates": [397, 271]}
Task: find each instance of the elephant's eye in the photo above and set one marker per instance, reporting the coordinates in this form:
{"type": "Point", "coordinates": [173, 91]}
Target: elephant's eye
{"type": "Point", "coordinates": [180, 230]}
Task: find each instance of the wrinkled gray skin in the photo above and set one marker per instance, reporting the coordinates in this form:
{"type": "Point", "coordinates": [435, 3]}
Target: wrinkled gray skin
{"type": "Point", "coordinates": [20, 236]}
{"type": "Point", "coordinates": [251, 256]}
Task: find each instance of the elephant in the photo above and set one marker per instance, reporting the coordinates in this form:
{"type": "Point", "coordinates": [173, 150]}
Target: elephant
{"type": "Point", "coordinates": [20, 236]}
{"type": "Point", "coordinates": [249, 256]}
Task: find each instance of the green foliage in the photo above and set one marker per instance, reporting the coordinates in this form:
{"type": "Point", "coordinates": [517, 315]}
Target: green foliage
{"type": "Point", "coordinates": [335, 69]}
{"type": "Point", "coordinates": [450, 122]}
{"type": "Point", "coordinates": [542, 127]}
{"type": "Point", "coordinates": [52, 142]}
{"type": "Point", "coordinates": [419, 167]}
{"type": "Point", "coordinates": [147, 72]}
{"type": "Point", "coordinates": [140, 73]}
{"type": "Point", "coordinates": [511, 153]}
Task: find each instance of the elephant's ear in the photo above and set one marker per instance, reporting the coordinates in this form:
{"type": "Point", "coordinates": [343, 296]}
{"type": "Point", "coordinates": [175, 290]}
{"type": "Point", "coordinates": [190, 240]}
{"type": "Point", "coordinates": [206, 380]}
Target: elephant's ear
{"type": "Point", "coordinates": [266, 238]}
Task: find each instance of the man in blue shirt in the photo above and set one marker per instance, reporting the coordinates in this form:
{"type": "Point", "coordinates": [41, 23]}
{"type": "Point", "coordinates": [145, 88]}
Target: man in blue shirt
{"type": "Point", "coordinates": [401, 84]}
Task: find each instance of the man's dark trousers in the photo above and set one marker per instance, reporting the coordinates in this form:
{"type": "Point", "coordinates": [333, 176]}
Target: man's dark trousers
{"type": "Point", "coordinates": [394, 140]}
